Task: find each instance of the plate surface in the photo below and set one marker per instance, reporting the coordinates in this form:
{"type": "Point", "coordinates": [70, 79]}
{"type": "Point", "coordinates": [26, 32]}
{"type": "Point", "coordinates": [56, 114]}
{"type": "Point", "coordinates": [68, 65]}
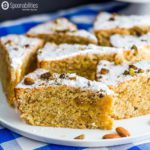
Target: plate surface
{"type": "Point", "coordinates": [139, 128]}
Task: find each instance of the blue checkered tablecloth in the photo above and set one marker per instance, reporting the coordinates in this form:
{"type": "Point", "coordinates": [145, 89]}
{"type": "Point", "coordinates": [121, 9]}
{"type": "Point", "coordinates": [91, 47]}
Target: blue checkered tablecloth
{"type": "Point", "coordinates": [83, 17]}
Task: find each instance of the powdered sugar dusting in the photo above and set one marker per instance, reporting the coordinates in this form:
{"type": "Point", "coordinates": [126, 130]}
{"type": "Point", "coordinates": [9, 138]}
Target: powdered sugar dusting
{"type": "Point", "coordinates": [127, 41]}
{"type": "Point", "coordinates": [57, 52]}
{"type": "Point", "coordinates": [111, 21]}
{"type": "Point", "coordinates": [18, 46]}
{"type": "Point", "coordinates": [116, 74]}
{"type": "Point", "coordinates": [57, 80]}
{"type": "Point", "coordinates": [83, 34]}
{"type": "Point", "coordinates": [54, 26]}
{"type": "Point", "coordinates": [61, 26]}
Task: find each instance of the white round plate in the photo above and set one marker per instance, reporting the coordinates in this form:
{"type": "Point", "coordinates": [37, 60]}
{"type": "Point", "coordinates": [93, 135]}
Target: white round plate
{"type": "Point", "coordinates": [139, 128]}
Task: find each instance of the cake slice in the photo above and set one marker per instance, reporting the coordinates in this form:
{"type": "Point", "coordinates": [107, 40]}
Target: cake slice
{"type": "Point", "coordinates": [137, 48]}
{"type": "Point", "coordinates": [64, 100]}
{"type": "Point", "coordinates": [62, 31]}
{"type": "Point", "coordinates": [132, 85]}
{"type": "Point", "coordinates": [80, 59]}
{"type": "Point", "coordinates": [17, 57]}
{"type": "Point", "coordinates": [107, 24]}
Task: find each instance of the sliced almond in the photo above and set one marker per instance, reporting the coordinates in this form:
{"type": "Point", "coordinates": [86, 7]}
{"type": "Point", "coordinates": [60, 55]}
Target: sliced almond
{"type": "Point", "coordinates": [122, 132]}
{"type": "Point", "coordinates": [80, 137]}
{"type": "Point", "coordinates": [111, 136]}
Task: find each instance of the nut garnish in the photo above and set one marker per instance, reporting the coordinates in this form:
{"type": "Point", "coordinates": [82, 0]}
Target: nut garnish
{"type": "Point", "coordinates": [126, 72]}
{"type": "Point", "coordinates": [140, 71]}
{"type": "Point", "coordinates": [133, 66]}
{"type": "Point", "coordinates": [111, 136]}
{"type": "Point", "coordinates": [80, 137]}
{"type": "Point", "coordinates": [62, 76]}
{"type": "Point", "coordinates": [45, 75]}
{"type": "Point", "coordinates": [28, 81]}
{"type": "Point", "coordinates": [26, 46]}
{"type": "Point", "coordinates": [104, 71]}
{"type": "Point", "coordinates": [134, 47]}
{"type": "Point", "coordinates": [112, 18]}
{"type": "Point", "coordinates": [122, 132]}
{"type": "Point", "coordinates": [8, 42]}
{"type": "Point", "coordinates": [132, 71]}
{"type": "Point", "coordinates": [101, 95]}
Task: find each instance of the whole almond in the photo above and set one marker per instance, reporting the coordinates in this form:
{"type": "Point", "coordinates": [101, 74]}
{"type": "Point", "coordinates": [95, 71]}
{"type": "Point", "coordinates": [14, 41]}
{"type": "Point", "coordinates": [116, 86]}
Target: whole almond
{"type": "Point", "coordinates": [122, 132]}
{"type": "Point", "coordinates": [28, 81]}
{"type": "Point", "coordinates": [111, 136]}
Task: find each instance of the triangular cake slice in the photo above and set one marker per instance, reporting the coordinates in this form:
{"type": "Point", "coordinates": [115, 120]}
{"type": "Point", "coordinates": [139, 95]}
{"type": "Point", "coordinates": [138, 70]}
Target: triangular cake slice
{"type": "Point", "coordinates": [64, 100]}
{"type": "Point", "coordinates": [62, 31]}
{"type": "Point", "coordinates": [74, 58]}
{"type": "Point", "coordinates": [107, 24]}
{"type": "Point", "coordinates": [17, 57]}
{"type": "Point", "coordinates": [132, 85]}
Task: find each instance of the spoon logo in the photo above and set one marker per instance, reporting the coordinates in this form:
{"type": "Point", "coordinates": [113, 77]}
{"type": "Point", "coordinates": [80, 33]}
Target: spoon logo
{"type": "Point", "coordinates": [5, 5]}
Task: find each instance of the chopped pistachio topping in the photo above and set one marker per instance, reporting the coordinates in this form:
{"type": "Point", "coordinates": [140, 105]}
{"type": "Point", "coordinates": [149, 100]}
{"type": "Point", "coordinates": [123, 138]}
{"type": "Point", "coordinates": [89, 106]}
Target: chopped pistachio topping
{"type": "Point", "coordinates": [132, 71]}
{"type": "Point", "coordinates": [135, 49]}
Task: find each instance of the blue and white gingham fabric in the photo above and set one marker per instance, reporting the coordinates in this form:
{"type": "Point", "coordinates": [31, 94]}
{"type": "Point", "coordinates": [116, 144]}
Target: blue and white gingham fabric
{"type": "Point", "coordinates": [83, 17]}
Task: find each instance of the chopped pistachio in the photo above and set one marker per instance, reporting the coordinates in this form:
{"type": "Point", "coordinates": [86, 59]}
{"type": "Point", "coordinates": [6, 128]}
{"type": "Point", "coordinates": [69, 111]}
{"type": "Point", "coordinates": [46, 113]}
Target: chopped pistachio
{"type": "Point", "coordinates": [135, 49]}
{"type": "Point", "coordinates": [131, 71]}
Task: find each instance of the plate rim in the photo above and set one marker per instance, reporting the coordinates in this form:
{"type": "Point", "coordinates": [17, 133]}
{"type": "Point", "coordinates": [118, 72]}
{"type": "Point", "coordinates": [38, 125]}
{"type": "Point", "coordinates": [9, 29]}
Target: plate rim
{"type": "Point", "coordinates": [73, 142]}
